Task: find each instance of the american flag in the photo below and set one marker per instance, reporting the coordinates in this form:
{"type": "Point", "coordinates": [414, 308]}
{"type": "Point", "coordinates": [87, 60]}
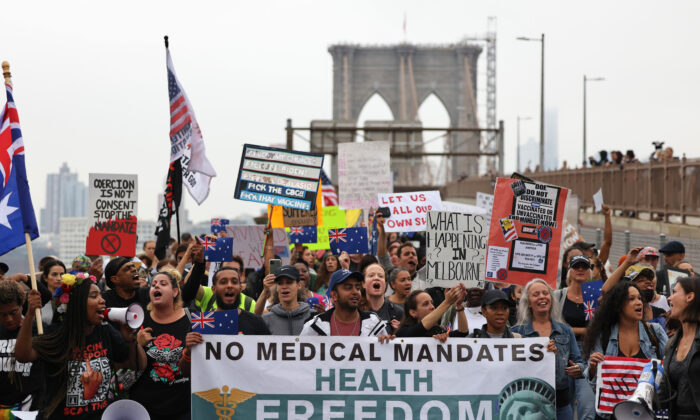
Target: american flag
{"type": "Point", "coordinates": [510, 233]}
{"type": "Point", "coordinates": [591, 292]}
{"type": "Point", "coordinates": [617, 380]}
{"type": "Point", "coordinates": [330, 198]}
{"type": "Point", "coordinates": [16, 209]}
{"type": "Point", "coordinates": [350, 240]}
{"type": "Point", "coordinates": [215, 322]}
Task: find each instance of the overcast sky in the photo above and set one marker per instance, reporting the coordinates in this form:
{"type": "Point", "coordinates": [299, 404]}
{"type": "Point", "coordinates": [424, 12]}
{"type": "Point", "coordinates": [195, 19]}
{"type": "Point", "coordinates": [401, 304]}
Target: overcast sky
{"type": "Point", "coordinates": [90, 79]}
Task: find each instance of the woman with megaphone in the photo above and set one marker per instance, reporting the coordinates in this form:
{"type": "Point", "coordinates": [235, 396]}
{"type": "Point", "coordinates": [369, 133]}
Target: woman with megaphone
{"type": "Point", "coordinates": [166, 337]}
{"type": "Point", "coordinates": [680, 387]}
{"type": "Point", "coordinates": [81, 355]}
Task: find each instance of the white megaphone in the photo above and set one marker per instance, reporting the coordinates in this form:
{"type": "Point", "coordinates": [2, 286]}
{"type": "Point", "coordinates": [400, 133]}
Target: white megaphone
{"type": "Point", "coordinates": [132, 315]}
{"type": "Point", "coordinates": [125, 410]}
{"type": "Point", "coordinates": [640, 404]}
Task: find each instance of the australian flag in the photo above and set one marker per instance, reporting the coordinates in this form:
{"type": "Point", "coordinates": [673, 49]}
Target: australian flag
{"type": "Point", "coordinates": [215, 322]}
{"type": "Point", "coordinates": [16, 209]}
{"type": "Point", "coordinates": [219, 250]}
{"type": "Point", "coordinates": [218, 225]}
{"type": "Point", "coordinates": [303, 235]}
{"type": "Point", "coordinates": [350, 240]}
{"type": "Point", "coordinates": [591, 291]}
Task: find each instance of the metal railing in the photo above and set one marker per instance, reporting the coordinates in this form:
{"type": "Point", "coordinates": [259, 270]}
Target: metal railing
{"type": "Point", "coordinates": [658, 188]}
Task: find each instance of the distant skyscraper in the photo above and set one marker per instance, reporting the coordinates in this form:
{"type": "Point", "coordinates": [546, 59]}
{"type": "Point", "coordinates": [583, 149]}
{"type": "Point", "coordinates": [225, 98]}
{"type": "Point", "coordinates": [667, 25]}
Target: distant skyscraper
{"type": "Point", "coordinates": [551, 139]}
{"type": "Point", "coordinates": [73, 231]}
{"type": "Point", "coordinates": [530, 154]}
{"type": "Point", "coordinates": [65, 197]}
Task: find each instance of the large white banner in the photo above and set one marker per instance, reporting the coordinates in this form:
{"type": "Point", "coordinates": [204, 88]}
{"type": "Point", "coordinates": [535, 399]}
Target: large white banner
{"type": "Point", "coordinates": [282, 377]}
{"type": "Point", "coordinates": [363, 172]}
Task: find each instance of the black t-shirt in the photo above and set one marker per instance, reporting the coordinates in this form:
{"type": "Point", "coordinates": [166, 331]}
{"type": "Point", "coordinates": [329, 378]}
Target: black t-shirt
{"type": "Point", "coordinates": [251, 324]}
{"type": "Point", "coordinates": [113, 300]}
{"type": "Point", "coordinates": [28, 377]}
{"type": "Point", "coordinates": [573, 313]}
{"type": "Point", "coordinates": [162, 388]}
{"type": "Point", "coordinates": [389, 311]}
{"type": "Point", "coordinates": [103, 347]}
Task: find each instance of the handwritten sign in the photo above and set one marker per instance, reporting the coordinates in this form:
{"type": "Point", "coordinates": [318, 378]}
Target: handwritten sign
{"type": "Point", "coordinates": [296, 217]}
{"type": "Point", "coordinates": [526, 232]}
{"type": "Point", "coordinates": [112, 208]}
{"type": "Point", "coordinates": [282, 177]}
{"type": "Point", "coordinates": [248, 242]}
{"type": "Point", "coordinates": [408, 210]}
{"type": "Point", "coordinates": [363, 173]}
{"type": "Point", "coordinates": [456, 245]}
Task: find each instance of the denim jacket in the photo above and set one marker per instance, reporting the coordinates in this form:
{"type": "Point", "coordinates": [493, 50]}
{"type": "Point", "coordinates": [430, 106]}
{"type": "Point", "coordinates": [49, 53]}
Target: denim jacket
{"type": "Point", "coordinates": [567, 349]}
{"type": "Point", "coordinates": [645, 344]}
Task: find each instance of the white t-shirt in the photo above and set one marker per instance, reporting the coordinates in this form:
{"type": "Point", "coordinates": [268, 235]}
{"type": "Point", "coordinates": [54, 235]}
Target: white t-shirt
{"type": "Point", "coordinates": [662, 303]}
{"type": "Point", "coordinates": [474, 318]}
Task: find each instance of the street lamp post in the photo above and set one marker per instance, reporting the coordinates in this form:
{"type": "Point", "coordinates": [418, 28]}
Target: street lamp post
{"type": "Point", "coordinates": [518, 152]}
{"type": "Point", "coordinates": [540, 40]}
{"type": "Point", "coordinates": [585, 81]}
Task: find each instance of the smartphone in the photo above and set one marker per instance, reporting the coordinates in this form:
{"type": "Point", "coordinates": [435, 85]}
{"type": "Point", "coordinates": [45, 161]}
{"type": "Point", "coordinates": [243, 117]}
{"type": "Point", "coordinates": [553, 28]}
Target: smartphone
{"type": "Point", "coordinates": [312, 301]}
{"type": "Point", "coordinates": [275, 265]}
{"type": "Point", "coordinates": [384, 211]}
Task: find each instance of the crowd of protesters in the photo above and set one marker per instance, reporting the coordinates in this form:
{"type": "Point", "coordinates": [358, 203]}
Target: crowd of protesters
{"type": "Point", "coordinates": [90, 362]}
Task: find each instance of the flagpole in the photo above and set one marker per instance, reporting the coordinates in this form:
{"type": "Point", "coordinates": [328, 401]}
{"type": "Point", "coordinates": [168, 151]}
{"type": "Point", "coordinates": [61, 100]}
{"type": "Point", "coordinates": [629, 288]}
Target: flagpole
{"type": "Point", "coordinates": [30, 255]}
{"type": "Point", "coordinates": [178, 174]}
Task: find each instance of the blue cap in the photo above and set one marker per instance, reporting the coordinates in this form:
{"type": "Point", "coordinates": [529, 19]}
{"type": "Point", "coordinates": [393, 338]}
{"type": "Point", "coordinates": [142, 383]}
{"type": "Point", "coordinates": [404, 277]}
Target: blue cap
{"type": "Point", "coordinates": [340, 276]}
{"type": "Point", "coordinates": [673, 247]}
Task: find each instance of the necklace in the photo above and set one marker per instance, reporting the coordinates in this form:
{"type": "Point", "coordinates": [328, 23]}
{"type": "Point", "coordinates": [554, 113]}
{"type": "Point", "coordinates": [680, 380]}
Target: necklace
{"type": "Point", "coordinates": [352, 333]}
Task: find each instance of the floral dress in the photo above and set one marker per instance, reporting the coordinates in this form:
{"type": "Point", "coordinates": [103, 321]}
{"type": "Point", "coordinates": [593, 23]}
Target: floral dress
{"type": "Point", "coordinates": [162, 388]}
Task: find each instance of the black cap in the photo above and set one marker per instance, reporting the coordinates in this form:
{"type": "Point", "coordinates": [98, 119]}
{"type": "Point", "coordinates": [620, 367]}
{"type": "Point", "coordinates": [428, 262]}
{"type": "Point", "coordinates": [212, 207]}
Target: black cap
{"type": "Point", "coordinates": [584, 245]}
{"type": "Point", "coordinates": [4, 268]}
{"type": "Point", "coordinates": [578, 260]}
{"type": "Point", "coordinates": [112, 269]}
{"type": "Point", "coordinates": [288, 271]}
{"type": "Point", "coordinates": [493, 296]}
{"type": "Point", "coordinates": [673, 247]}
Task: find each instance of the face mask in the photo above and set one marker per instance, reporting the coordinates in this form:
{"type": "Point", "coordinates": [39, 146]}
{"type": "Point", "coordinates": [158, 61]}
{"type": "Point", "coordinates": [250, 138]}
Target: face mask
{"type": "Point", "coordinates": [648, 295]}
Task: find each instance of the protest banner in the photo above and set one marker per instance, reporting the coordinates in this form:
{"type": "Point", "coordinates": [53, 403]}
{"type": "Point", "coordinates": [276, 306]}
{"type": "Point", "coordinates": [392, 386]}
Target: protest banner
{"type": "Point", "coordinates": [296, 217]}
{"type": "Point", "coordinates": [525, 233]}
{"type": "Point", "coordinates": [282, 177]}
{"type": "Point", "coordinates": [454, 207]}
{"type": "Point", "coordinates": [248, 242]}
{"type": "Point", "coordinates": [569, 235]}
{"type": "Point", "coordinates": [456, 252]}
{"type": "Point", "coordinates": [333, 218]}
{"type": "Point", "coordinates": [617, 379]}
{"type": "Point", "coordinates": [408, 210]}
{"type": "Point", "coordinates": [485, 201]}
{"type": "Point", "coordinates": [264, 377]}
{"type": "Point", "coordinates": [361, 178]}
{"type": "Point", "coordinates": [112, 209]}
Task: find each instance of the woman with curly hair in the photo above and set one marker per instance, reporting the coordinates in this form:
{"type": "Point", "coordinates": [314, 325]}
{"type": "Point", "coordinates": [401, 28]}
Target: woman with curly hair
{"type": "Point", "coordinates": [166, 337]}
{"type": "Point", "coordinates": [329, 265]}
{"type": "Point", "coordinates": [81, 355]}
{"type": "Point", "coordinates": [617, 329]}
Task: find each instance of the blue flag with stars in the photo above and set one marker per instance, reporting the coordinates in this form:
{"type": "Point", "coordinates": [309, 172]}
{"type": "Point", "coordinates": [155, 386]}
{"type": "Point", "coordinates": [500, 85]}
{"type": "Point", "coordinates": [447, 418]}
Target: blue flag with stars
{"type": "Point", "coordinates": [215, 322]}
{"type": "Point", "coordinates": [220, 250]}
{"type": "Point", "coordinates": [16, 209]}
{"type": "Point", "coordinates": [218, 225]}
{"type": "Point", "coordinates": [591, 292]}
{"type": "Point", "coordinates": [350, 240]}
{"type": "Point", "coordinates": [303, 235]}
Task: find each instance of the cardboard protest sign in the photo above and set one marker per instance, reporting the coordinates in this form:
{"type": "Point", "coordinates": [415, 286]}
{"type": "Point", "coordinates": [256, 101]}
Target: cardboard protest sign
{"type": "Point", "coordinates": [456, 245]}
{"type": "Point", "coordinates": [525, 233]}
{"type": "Point", "coordinates": [333, 218]}
{"type": "Point", "coordinates": [280, 377]}
{"type": "Point", "coordinates": [363, 173]}
{"type": "Point", "coordinates": [296, 217]}
{"type": "Point", "coordinates": [408, 210]}
{"type": "Point", "coordinates": [485, 201]}
{"type": "Point", "coordinates": [454, 207]}
{"type": "Point", "coordinates": [112, 208]}
{"type": "Point", "coordinates": [570, 235]}
{"type": "Point", "coordinates": [248, 242]}
{"type": "Point", "coordinates": [278, 176]}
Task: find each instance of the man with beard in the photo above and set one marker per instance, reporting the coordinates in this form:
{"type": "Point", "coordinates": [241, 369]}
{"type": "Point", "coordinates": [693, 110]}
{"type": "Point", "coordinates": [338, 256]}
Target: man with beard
{"type": "Point", "coordinates": [123, 280]}
{"type": "Point", "coordinates": [211, 298]}
{"type": "Point", "coordinates": [346, 318]}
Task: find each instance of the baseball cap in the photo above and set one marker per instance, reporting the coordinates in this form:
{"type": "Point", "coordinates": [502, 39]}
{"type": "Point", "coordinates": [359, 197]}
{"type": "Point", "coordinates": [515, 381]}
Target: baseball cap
{"type": "Point", "coordinates": [4, 268]}
{"type": "Point", "coordinates": [288, 271]}
{"type": "Point", "coordinates": [673, 247]}
{"type": "Point", "coordinates": [649, 252]}
{"type": "Point", "coordinates": [493, 296]}
{"type": "Point", "coordinates": [578, 260]}
{"type": "Point", "coordinates": [584, 245]}
{"type": "Point", "coordinates": [340, 276]}
{"type": "Point", "coordinates": [637, 270]}
{"type": "Point", "coordinates": [112, 269]}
